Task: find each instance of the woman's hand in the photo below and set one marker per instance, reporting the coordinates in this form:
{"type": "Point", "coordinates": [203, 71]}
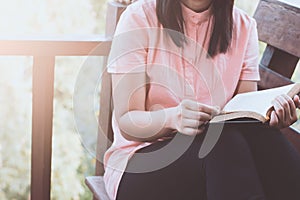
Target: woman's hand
{"type": "Point", "coordinates": [190, 117]}
{"type": "Point", "coordinates": [284, 113]}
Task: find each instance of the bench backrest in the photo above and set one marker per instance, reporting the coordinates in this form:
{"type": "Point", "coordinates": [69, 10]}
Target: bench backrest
{"type": "Point", "coordinates": [105, 133]}
{"type": "Point", "coordinates": [278, 25]}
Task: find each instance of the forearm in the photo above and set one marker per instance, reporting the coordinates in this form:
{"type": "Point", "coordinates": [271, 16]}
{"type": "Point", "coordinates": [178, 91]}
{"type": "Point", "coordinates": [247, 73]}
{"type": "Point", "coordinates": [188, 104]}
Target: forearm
{"type": "Point", "coordinates": [146, 125]}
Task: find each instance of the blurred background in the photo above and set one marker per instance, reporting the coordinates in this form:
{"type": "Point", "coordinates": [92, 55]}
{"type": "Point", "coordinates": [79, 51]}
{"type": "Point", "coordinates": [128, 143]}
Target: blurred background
{"type": "Point", "coordinates": [73, 144]}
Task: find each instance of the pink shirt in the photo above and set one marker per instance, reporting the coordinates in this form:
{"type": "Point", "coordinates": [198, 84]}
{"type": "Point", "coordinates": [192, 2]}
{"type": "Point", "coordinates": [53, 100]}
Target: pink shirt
{"type": "Point", "coordinates": [141, 46]}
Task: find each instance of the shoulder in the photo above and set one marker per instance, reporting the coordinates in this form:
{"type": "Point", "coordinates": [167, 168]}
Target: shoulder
{"type": "Point", "coordinates": [142, 4]}
{"type": "Point", "coordinates": [144, 9]}
{"type": "Point", "coordinates": [242, 20]}
{"type": "Point", "coordinates": [138, 15]}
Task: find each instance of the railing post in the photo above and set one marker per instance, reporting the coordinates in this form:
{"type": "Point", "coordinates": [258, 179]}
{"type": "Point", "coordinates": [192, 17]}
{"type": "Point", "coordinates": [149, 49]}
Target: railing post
{"type": "Point", "coordinates": [42, 116]}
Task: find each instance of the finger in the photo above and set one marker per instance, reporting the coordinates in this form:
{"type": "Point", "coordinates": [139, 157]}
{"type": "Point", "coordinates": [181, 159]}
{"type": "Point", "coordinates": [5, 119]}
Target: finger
{"type": "Point", "coordinates": [202, 128]}
{"type": "Point", "coordinates": [292, 108]}
{"type": "Point", "coordinates": [190, 114]}
{"type": "Point", "coordinates": [211, 110]}
{"type": "Point", "coordinates": [191, 131]}
{"type": "Point", "coordinates": [190, 104]}
{"type": "Point", "coordinates": [274, 120]}
{"type": "Point", "coordinates": [196, 106]}
{"type": "Point", "coordinates": [201, 116]}
{"type": "Point", "coordinates": [297, 101]}
{"type": "Point", "coordinates": [280, 112]}
{"type": "Point", "coordinates": [191, 123]}
{"type": "Point", "coordinates": [285, 105]}
{"type": "Point", "coordinates": [205, 117]}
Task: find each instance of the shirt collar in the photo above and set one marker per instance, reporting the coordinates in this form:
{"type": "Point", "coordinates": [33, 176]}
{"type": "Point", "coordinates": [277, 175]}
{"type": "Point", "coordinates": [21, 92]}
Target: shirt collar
{"type": "Point", "coordinates": [196, 18]}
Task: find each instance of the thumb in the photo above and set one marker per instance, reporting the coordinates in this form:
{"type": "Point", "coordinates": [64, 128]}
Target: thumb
{"type": "Point", "coordinates": [274, 119]}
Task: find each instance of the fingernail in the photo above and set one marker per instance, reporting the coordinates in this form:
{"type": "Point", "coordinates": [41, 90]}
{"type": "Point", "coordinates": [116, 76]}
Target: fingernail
{"type": "Point", "coordinates": [218, 108]}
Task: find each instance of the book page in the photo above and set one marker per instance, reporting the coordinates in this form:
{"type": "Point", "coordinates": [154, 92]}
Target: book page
{"type": "Point", "coordinates": [258, 101]}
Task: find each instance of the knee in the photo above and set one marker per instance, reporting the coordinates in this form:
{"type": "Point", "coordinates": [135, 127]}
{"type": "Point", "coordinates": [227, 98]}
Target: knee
{"type": "Point", "coordinates": [230, 142]}
{"type": "Point", "coordinates": [230, 137]}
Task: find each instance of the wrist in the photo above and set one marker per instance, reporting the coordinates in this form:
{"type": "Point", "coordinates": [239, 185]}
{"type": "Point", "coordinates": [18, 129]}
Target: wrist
{"type": "Point", "coordinates": [170, 121]}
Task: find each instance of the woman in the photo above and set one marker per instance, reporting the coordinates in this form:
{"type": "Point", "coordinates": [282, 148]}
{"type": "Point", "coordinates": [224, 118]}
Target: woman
{"type": "Point", "coordinates": [174, 64]}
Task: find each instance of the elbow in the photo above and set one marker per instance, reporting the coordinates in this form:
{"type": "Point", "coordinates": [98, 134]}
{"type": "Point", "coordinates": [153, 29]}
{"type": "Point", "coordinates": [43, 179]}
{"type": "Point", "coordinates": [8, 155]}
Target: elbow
{"type": "Point", "coordinates": [129, 131]}
{"type": "Point", "coordinates": [141, 127]}
{"type": "Point", "coordinates": [135, 135]}
{"type": "Point", "coordinates": [133, 138]}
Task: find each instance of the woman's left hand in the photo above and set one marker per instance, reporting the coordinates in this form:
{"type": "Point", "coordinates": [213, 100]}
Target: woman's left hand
{"type": "Point", "coordinates": [284, 113]}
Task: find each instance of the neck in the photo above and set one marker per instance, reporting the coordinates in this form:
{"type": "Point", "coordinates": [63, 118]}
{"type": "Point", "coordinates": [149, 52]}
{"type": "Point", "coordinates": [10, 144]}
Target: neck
{"type": "Point", "coordinates": [197, 5]}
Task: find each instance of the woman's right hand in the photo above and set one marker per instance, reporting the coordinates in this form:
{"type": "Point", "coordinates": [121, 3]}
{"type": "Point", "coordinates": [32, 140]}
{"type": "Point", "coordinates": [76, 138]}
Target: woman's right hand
{"type": "Point", "coordinates": [190, 117]}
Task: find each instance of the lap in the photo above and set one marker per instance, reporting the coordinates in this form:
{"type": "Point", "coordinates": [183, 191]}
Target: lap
{"type": "Point", "coordinates": [173, 180]}
{"type": "Point", "coordinates": [238, 163]}
{"type": "Point", "coordinates": [276, 160]}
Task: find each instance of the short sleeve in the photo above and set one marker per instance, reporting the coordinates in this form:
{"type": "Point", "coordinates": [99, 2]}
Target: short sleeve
{"type": "Point", "coordinates": [250, 68]}
{"type": "Point", "coordinates": [129, 47]}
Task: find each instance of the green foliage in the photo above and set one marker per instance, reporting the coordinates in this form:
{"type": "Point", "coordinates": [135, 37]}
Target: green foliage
{"type": "Point", "coordinates": [15, 128]}
{"type": "Point", "coordinates": [247, 6]}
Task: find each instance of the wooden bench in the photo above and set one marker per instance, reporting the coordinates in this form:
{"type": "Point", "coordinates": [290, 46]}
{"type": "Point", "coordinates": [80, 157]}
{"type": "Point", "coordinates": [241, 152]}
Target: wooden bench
{"type": "Point", "coordinates": [278, 26]}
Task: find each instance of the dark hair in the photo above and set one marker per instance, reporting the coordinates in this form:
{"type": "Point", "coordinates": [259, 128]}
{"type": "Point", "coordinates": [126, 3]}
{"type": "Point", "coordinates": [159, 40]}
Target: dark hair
{"type": "Point", "coordinates": [169, 14]}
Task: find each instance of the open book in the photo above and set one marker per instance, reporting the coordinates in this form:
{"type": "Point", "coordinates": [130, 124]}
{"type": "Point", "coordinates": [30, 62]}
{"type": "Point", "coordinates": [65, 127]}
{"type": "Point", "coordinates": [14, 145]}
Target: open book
{"type": "Point", "coordinates": [256, 105]}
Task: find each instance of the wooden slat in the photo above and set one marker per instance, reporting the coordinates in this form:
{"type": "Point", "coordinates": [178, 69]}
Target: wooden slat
{"type": "Point", "coordinates": [279, 25]}
{"type": "Point", "coordinates": [271, 79]}
{"type": "Point", "coordinates": [105, 134]}
{"type": "Point", "coordinates": [42, 115]}
{"type": "Point", "coordinates": [294, 3]}
{"type": "Point", "coordinates": [54, 47]}
{"type": "Point", "coordinates": [279, 61]}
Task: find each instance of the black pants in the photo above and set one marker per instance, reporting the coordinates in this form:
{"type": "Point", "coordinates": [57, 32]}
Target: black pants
{"type": "Point", "coordinates": [247, 163]}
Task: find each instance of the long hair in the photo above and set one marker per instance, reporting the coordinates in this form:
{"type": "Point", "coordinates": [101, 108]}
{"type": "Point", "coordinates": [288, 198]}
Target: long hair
{"type": "Point", "coordinates": [169, 14]}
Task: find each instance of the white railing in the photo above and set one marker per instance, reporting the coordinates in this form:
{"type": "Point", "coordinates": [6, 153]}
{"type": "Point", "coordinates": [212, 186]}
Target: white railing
{"type": "Point", "coordinates": [44, 50]}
